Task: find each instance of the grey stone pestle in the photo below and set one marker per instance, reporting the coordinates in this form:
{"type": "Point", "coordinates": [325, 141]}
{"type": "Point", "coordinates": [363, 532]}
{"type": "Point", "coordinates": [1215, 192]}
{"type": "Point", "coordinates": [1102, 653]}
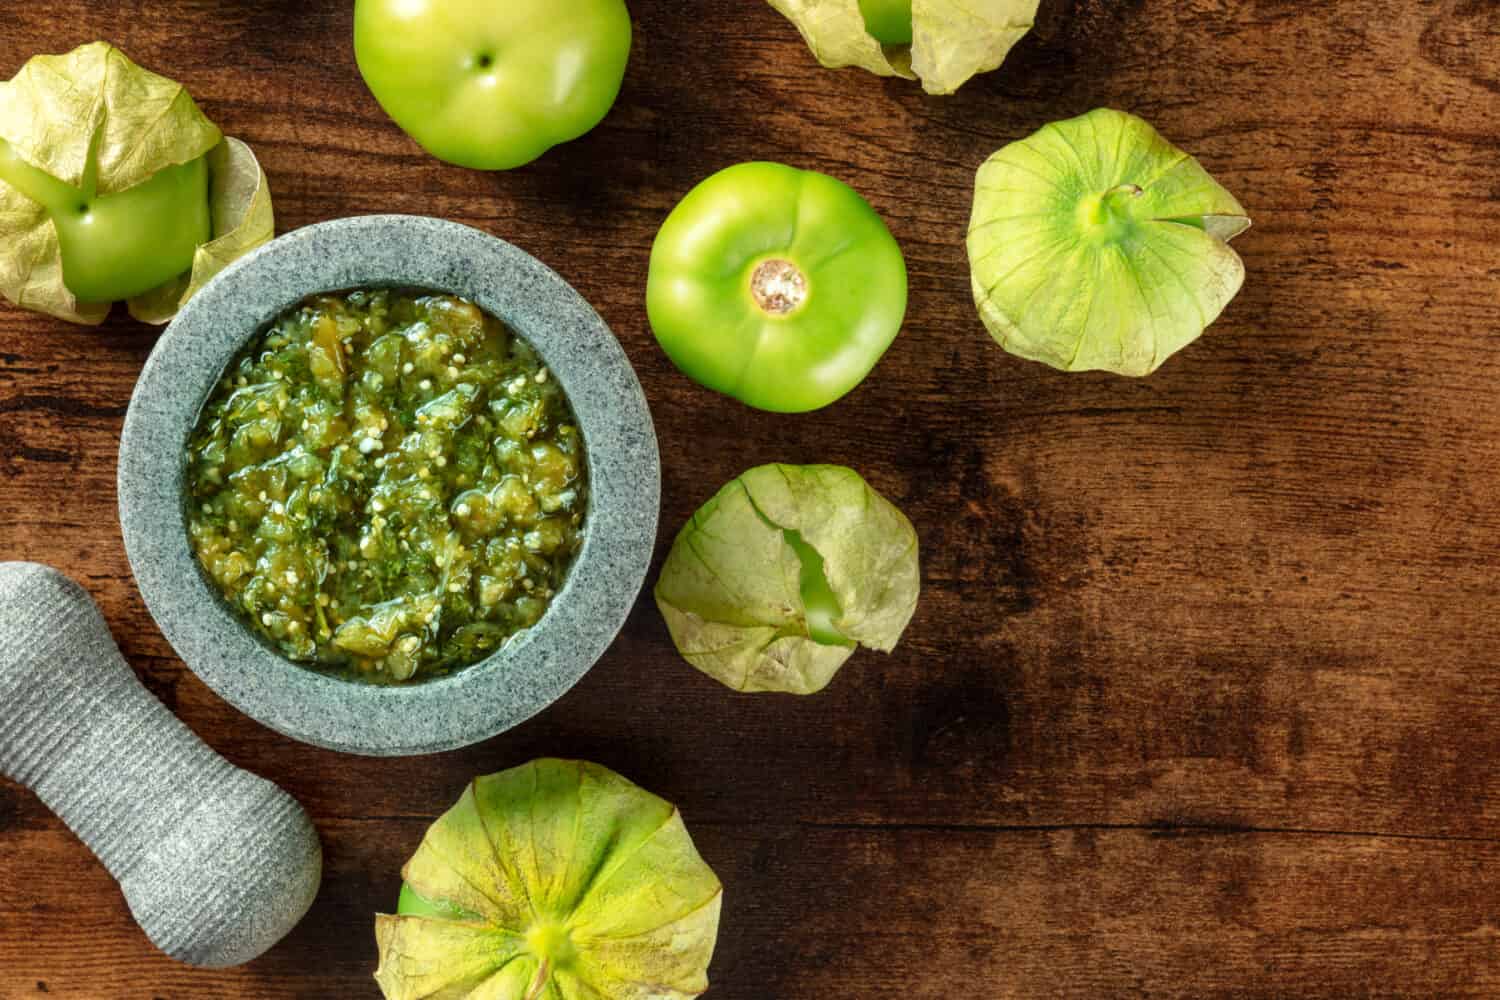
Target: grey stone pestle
{"type": "Point", "coordinates": [216, 864]}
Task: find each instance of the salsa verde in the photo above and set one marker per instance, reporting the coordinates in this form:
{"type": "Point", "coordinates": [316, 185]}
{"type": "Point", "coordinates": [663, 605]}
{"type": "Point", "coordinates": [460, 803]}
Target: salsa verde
{"type": "Point", "coordinates": [387, 484]}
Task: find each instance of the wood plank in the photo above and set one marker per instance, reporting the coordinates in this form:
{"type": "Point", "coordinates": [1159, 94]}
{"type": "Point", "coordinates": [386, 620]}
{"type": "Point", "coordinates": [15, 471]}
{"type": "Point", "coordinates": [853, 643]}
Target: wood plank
{"type": "Point", "coordinates": [890, 913]}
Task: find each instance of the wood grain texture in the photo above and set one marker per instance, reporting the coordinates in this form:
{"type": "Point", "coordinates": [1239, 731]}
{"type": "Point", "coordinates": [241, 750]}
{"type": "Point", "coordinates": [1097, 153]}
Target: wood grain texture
{"type": "Point", "coordinates": [1201, 697]}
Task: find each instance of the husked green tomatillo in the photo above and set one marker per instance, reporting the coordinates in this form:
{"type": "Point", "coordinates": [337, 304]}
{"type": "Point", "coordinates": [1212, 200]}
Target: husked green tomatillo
{"type": "Point", "coordinates": [116, 246]}
{"type": "Point", "coordinates": [777, 286]}
{"type": "Point", "coordinates": [784, 573]}
{"type": "Point", "coordinates": [493, 85]}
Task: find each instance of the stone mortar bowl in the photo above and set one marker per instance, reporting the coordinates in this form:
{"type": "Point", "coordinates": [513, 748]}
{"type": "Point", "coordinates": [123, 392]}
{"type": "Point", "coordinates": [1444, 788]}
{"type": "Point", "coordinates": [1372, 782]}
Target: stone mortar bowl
{"type": "Point", "coordinates": [538, 665]}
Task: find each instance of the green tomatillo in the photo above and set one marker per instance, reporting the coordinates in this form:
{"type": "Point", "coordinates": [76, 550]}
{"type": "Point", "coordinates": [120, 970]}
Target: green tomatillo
{"type": "Point", "coordinates": [777, 286]}
{"type": "Point", "coordinates": [114, 185]}
{"type": "Point", "coordinates": [493, 85]}
{"type": "Point", "coordinates": [116, 246]}
{"type": "Point", "coordinates": [413, 904]}
{"type": "Point", "coordinates": [887, 21]}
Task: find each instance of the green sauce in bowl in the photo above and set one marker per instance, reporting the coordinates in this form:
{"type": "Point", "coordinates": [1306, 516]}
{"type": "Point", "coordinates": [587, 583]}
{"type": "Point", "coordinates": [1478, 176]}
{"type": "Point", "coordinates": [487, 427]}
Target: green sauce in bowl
{"type": "Point", "coordinates": [387, 485]}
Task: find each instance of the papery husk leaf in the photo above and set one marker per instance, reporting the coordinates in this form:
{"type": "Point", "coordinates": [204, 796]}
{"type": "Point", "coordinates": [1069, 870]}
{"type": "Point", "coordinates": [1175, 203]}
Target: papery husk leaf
{"type": "Point", "coordinates": [730, 590]}
{"type": "Point", "coordinates": [559, 844]}
{"type": "Point", "coordinates": [952, 40]}
{"type": "Point", "coordinates": [60, 110]}
{"type": "Point", "coordinates": [1051, 289]}
{"type": "Point", "coordinates": [31, 265]}
{"type": "Point", "coordinates": [243, 219]}
{"type": "Point", "coordinates": [835, 31]}
{"type": "Point", "coordinates": [421, 957]}
{"type": "Point", "coordinates": [53, 109]}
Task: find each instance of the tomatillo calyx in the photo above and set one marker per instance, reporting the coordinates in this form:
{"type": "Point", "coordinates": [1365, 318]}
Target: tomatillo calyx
{"type": "Point", "coordinates": [777, 286]}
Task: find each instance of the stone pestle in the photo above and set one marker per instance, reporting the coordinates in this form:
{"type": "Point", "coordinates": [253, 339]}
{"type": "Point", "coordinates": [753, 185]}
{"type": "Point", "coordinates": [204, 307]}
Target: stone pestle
{"type": "Point", "coordinates": [216, 864]}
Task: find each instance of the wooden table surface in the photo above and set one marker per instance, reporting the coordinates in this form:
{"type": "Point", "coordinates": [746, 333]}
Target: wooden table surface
{"type": "Point", "coordinates": [1202, 697]}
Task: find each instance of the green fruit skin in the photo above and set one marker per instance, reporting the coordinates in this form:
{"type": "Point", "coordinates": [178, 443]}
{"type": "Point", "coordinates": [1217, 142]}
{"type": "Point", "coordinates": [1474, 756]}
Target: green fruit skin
{"type": "Point", "coordinates": [818, 599]}
{"type": "Point", "coordinates": [698, 294]}
{"type": "Point", "coordinates": [887, 21]}
{"type": "Point", "coordinates": [491, 85]}
{"type": "Point", "coordinates": [413, 905]}
{"type": "Point", "coordinates": [116, 246]}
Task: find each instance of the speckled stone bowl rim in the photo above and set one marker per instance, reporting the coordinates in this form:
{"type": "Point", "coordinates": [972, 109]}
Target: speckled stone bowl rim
{"type": "Point", "coordinates": [537, 666]}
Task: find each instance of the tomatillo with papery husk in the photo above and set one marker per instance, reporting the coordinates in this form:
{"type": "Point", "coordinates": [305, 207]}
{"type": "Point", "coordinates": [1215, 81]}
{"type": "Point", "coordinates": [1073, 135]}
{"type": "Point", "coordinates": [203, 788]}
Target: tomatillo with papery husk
{"type": "Point", "coordinates": [784, 573]}
{"type": "Point", "coordinates": [777, 286]}
{"type": "Point", "coordinates": [1097, 245]}
{"type": "Point", "coordinates": [943, 43]}
{"type": "Point", "coordinates": [555, 880]}
{"type": "Point", "coordinates": [115, 186]}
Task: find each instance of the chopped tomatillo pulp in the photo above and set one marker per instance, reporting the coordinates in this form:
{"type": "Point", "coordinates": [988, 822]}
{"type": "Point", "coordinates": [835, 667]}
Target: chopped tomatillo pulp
{"type": "Point", "coordinates": [387, 485]}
